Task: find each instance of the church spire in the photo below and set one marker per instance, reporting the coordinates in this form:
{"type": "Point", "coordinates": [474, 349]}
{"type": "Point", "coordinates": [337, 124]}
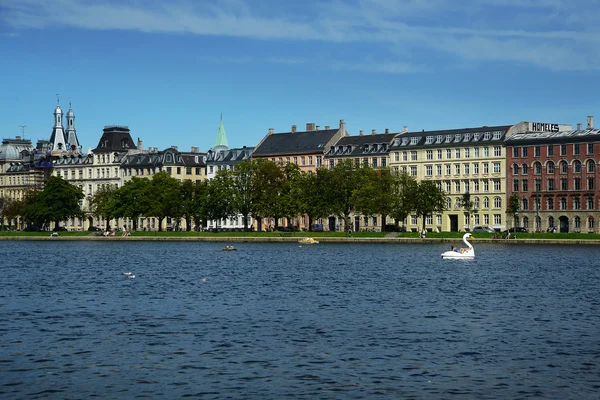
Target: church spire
{"type": "Point", "coordinates": [71, 133]}
{"type": "Point", "coordinates": [221, 135]}
{"type": "Point", "coordinates": [57, 140]}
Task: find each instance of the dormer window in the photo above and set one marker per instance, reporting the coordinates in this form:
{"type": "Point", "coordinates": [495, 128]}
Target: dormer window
{"type": "Point", "coordinates": [466, 137]}
{"type": "Point", "coordinates": [440, 138]}
{"type": "Point", "coordinates": [404, 141]}
{"type": "Point", "coordinates": [486, 136]}
{"type": "Point", "coordinates": [457, 137]}
{"type": "Point", "coordinates": [497, 135]}
{"type": "Point", "coordinates": [448, 138]}
{"type": "Point", "coordinates": [414, 140]}
{"type": "Point", "coordinates": [365, 148]}
{"type": "Point", "coordinates": [476, 136]}
{"type": "Point", "coordinates": [429, 140]}
{"type": "Point", "coordinates": [349, 149]}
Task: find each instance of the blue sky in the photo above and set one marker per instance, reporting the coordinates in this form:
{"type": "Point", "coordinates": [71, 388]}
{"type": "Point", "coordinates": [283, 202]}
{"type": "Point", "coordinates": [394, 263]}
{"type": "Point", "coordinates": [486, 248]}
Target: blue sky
{"type": "Point", "coordinates": [168, 69]}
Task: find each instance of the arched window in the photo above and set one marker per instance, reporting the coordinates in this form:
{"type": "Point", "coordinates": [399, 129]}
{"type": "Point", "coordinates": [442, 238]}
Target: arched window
{"type": "Point", "coordinates": [550, 167]}
{"type": "Point", "coordinates": [591, 166]}
{"type": "Point", "coordinates": [577, 166]}
{"type": "Point", "coordinates": [476, 203]}
{"type": "Point", "coordinates": [497, 202]}
{"type": "Point", "coordinates": [448, 203]}
{"type": "Point", "coordinates": [550, 222]}
{"type": "Point", "coordinates": [524, 169]}
{"type": "Point", "coordinates": [538, 223]}
{"type": "Point", "coordinates": [563, 167]}
{"type": "Point", "coordinates": [563, 203]}
{"type": "Point", "coordinates": [577, 222]}
{"type": "Point", "coordinates": [525, 204]}
{"type": "Point", "coordinates": [526, 222]}
{"type": "Point", "coordinates": [486, 202]}
{"type": "Point", "coordinates": [515, 169]}
{"type": "Point", "coordinates": [537, 168]}
{"type": "Point", "coordinates": [590, 222]}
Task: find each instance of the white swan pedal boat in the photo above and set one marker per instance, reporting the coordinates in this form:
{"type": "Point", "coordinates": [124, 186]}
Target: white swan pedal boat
{"type": "Point", "coordinates": [469, 253]}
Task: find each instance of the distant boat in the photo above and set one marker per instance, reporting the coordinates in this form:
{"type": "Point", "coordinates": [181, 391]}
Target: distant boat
{"type": "Point", "coordinates": [228, 248]}
{"type": "Point", "coordinates": [308, 240]}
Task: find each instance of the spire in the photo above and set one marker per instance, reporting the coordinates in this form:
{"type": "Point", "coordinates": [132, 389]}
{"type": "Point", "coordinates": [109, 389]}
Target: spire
{"type": "Point", "coordinates": [221, 136]}
{"type": "Point", "coordinates": [71, 133]}
{"type": "Point", "coordinates": [57, 139]}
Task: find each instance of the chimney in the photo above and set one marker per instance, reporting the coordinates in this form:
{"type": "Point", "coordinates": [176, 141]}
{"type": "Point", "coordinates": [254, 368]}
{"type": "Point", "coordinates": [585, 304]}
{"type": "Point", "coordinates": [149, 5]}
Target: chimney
{"type": "Point", "coordinates": [174, 147]}
{"type": "Point", "coordinates": [590, 122]}
{"type": "Point", "coordinates": [317, 127]}
{"type": "Point", "coordinates": [327, 127]}
{"type": "Point", "coordinates": [271, 131]}
{"type": "Point", "coordinates": [360, 133]}
{"type": "Point", "coordinates": [343, 127]}
{"type": "Point", "coordinates": [405, 128]}
{"type": "Point", "coordinates": [578, 127]}
{"type": "Point", "coordinates": [310, 126]}
{"type": "Point", "coordinates": [293, 128]}
{"type": "Point", "coordinates": [373, 131]}
{"type": "Point", "coordinates": [139, 145]}
{"type": "Point", "coordinates": [195, 149]}
{"type": "Point", "coordinates": [387, 130]}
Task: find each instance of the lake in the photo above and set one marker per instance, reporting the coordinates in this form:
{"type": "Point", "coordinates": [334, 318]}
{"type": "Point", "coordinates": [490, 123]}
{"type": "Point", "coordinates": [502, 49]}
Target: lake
{"type": "Point", "coordinates": [280, 320]}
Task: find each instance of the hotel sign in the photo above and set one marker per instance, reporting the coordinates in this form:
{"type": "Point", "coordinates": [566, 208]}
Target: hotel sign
{"type": "Point", "coordinates": [542, 127]}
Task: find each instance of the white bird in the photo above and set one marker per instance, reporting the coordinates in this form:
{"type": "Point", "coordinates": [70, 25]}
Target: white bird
{"type": "Point", "coordinates": [126, 273]}
{"type": "Point", "coordinates": [130, 276]}
{"type": "Point", "coordinates": [203, 280]}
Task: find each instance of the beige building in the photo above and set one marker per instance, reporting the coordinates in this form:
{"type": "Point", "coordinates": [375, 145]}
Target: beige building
{"type": "Point", "coordinates": [458, 161]}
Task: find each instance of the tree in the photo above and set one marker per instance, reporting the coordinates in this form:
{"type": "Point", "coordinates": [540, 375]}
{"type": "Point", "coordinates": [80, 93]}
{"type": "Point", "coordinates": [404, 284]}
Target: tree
{"type": "Point", "coordinates": [267, 182]}
{"type": "Point", "coordinates": [340, 186]}
{"type": "Point", "coordinates": [132, 200]}
{"type": "Point", "coordinates": [189, 204]}
{"type": "Point", "coordinates": [404, 197]}
{"type": "Point", "coordinates": [375, 195]}
{"type": "Point", "coordinates": [57, 202]}
{"type": "Point", "coordinates": [429, 200]}
{"type": "Point", "coordinates": [309, 190]}
{"type": "Point", "coordinates": [102, 203]}
{"type": "Point", "coordinates": [467, 205]}
{"type": "Point", "coordinates": [242, 187]}
{"type": "Point", "coordinates": [289, 201]}
{"type": "Point", "coordinates": [513, 207]}
{"type": "Point", "coordinates": [165, 198]}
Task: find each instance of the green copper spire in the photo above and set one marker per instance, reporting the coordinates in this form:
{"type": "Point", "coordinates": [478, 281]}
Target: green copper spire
{"type": "Point", "coordinates": [221, 136]}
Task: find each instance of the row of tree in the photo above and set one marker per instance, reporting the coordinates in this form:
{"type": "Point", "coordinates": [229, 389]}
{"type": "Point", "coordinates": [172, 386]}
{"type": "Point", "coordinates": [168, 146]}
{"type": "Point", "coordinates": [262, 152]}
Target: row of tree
{"type": "Point", "coordinates": [256, 188]}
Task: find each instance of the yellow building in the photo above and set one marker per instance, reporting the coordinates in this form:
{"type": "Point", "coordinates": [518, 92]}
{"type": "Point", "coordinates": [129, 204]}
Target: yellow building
{"type": "Point", "coordinates": [458, 161]}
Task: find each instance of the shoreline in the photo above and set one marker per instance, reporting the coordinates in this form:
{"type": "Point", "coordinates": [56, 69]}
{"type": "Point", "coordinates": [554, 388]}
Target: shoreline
{"type": "Point", "coordinates": [349, 240]}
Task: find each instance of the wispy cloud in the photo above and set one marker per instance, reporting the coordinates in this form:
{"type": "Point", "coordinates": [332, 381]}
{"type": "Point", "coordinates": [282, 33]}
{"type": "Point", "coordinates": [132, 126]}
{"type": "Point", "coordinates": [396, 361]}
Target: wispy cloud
{"type": "Point", "coordinates": [543, 33]}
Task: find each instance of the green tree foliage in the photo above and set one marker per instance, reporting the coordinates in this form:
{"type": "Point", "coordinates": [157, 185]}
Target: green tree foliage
{"type": "Point", "coordinates": [242, 190]}
{"type": "Point", "coordinates": [57, 202]}
{"type": "Point", "coordinates": [467, 205]}
{"type": "Point", "coordinates": [267, 182]}
{"type": "Point", "coordinates": [404, 195]}
{"type": "Point", "coordinates": [375, 194]}
{"type": "Point", "coordinates": [513, 207]}
{"type": "Point", "coordinates": [429, 200]}
{"type": "Point", "coordinates": [132, 200]}
{"type": "Point", "coordinates": [340, 189]}
{"type": "Point", "coordinates": [102, 203]}
{"type": "Point", "coordinates": [164, 197]}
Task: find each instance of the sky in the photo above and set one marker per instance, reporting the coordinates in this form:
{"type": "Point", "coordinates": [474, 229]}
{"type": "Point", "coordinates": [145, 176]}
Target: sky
{"type": "Point", "coordinates": [169, 69]}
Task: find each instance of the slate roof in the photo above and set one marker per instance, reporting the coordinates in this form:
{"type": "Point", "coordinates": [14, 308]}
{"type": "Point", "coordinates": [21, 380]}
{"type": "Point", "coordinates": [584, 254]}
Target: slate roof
{"type": "Point", "coordinates": [445, 137]}
{"type": "Point", "coordinates": [228, 156]}
{"type": "Point", "coordinates": [115, 139]}
{"type": "Point", "coordinates": [308, 142]}
{"type": "Point", "coordinates": [554, 137]}
{"type": "Point", "coordinates": [358, 146]}
{"type": "Point", "coordinates": [160, 158]}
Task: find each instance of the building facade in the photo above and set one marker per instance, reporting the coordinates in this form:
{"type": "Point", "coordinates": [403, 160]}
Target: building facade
{"type": "Point", "coordinates": [553, 169]}
{"type": "Point", "coordinates": [459, 161]}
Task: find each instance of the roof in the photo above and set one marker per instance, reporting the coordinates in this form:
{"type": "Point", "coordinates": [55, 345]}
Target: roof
{"type": "Point", "coordinates": [228, 156]}
{"type": "Point", "coordinates": [549, 137]}
{"type": "Point", "coordinates": [451, 136]}
{"type": "Point", "coordinates": [115, 138]}
{"type": "Point", "coordinates": [11, 149]}
{"type": "Point", "coordinates": [221, 135]}
{"type": "Point", "coordinates": [354, 146]}
{"type": "Point", "coordinates": [307, 142]}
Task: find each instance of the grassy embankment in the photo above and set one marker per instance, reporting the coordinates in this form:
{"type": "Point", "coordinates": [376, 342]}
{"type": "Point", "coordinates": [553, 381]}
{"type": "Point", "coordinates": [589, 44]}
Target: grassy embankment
{"type": "Point", "coordinates": [449, 235]}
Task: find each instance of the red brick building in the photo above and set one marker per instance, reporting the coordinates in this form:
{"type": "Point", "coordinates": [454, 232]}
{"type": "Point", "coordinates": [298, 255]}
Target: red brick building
{"type": "Point", "coordinates": [554, 171]}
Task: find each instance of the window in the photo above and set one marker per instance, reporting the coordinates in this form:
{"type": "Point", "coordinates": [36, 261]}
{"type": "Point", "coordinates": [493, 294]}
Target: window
{"type": "Point", "coordinates": [438, 169]}
{"type": "Point", "coordinates": [430, 154]}
{"type": "Point", "coordinates": [476, 152]}
{"type": "Point", "coordinates": [457, 186]}
{"type": "Point", "coordinates": [383, 161]}
{"type": "Point", "coordinates": [497, 151]}
{"type": "Point", "coordinates": [563, 167]}
{"type": "Point", "coordinates": [550, 184]}
{"type": "Point", "coordinates": [448, 154]}
{"type": "Point", "coordinates": [414, 140]}
{"type": "Point", "coordinates": [590, 148]}
{"type": "Point", "coordinates": [515, 169]}
{"type": "Point", "coordinates": [577, 183]}
{"type": "Point", "coordinates": [496, 167]}
{"type": "Point", "coordinates": [576, 149]}
{"type": "Point", "coordinates": [516, 185]}
{"type": "Point", "coordinates": [486, 185]}
{"type": "Point", "coordinates": [538, 185]}
{"type": "Point", "coordinates": [467, 153]}
{"type": "Point", "coordinates": [429, 170]}
{"type": "Point", "coordinates": [576, 203]}
{"type": "Point", "coordinates": [448, 203]}
{"type": "Point", "coordinates": [373, 162]}
{"type": "Point", "coordinates": [448, 186]}
{"type": "Point", "coordinates": [525, 152]}
{"type": "Point", "coordinates": [486, 168]}
{"type": "Point", "coordinates": [404, 156]}
{"type": "Point", "coordinates": [497, 185]}
{"type": "Point", "coordinates": [466, 168]}
{"type": "Point", "coordinates": [590, 203]}
{"type": "Point", "coordinates": [413, 170]}
{"type": "Point", "coordinates": [396, 156]}
{"type": "Point", "coordinates": [413, 155]}
{"type": "Point", "coordinates": [178, 170]}
{"type": "Point", "coordinates": [476, 186]}
{"type": "Point", "coordinates": [486, 152]}
{"type": "Point", "coordinates": [310, 160]}
{"type": "Point", "coordinates": [550, 203]}
{"type": "Point", "coordinates": [457, 169]}
{"type": "Point", "coordinates": [563, 203]}
{"type": "Point", "coordinates": [550, 167]}
{"type": "Point", "coordinates": [563, 149]}
{"type": "Point", "coordinates": [486, 219]}
{"type": "Point", "coordinates": [525, 168]}
{"type": "Point", "coordinates": [497, 219]}
{"type": "Point", "coordinates": [590, 183]}
{"type": "Point", "coordinates": [563, 184]}
{"type": "Point", "coordinates": [475, 168]}
{"type": "Point", "coordinates": [497, 202]}
{"type": "Point", "coordinates": [550, 150]}
{"type": "Point", "coordinates": [590, 222]}
{"type": "Point", "coordinates": [476, 203]}
{"type": "Point", "coordinates": [537, 151]}
{"type": "Point", "coordinates": [188, 170]}
{"type": "Point", "coordinates": [296, 160]}
{"type": "Point", "coordinates": [429, 140]}
{"type": "Point", "coordinates": [303, 160]}
{"type": "Point", "coordinates": [439, 154]}
{"type": "Point", "coordinates": [515, 152]}
{"type": "Point", "coordinates": [457, 153]}
{"type": "Point", "coordinates": [486, 202]}
{"type": "Point", "coordinates": [537, 168]}
{"type": "Point", "coordinates": [448, 169]}
{"type": "Point", "coordinates": [467, 187]}
{"type": "Point", "coordinates": [591, 166]}
{"type": "Point", "coordinates": [525, 204]}
{"type": "Point", "coordinates": [577, 166]}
